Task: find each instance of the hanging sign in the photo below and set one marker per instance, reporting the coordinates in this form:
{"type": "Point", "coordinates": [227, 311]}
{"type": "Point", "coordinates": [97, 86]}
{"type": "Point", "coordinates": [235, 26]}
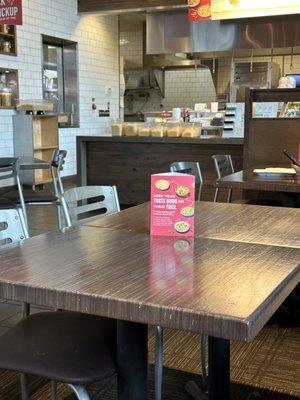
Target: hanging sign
{"type": "Point", "coordinates": [11, 12]}
{"type": "Point", "coordinates": [230, 9]}
{"type": "Point", "coordinates": [199, 10]}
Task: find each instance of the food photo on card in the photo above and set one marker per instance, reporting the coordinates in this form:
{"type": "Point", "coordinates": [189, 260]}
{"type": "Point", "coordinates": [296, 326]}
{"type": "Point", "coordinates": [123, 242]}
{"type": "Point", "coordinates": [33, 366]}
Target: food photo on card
{"type": "Point", "coordinates": [172, 204]}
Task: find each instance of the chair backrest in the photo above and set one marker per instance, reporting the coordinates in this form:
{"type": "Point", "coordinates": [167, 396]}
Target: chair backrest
{"type": "Point", "coordinates": [57, 165]}
{"type": "Point", "coordinates": [11, 226]}
{"type": "Point", "coordinates": [192, 168]}
{"type": "Point", "coordinates": [87, 202]}
{"type": "Point", "coordinates": [223, 165]}
{"type": "Point", "coordinates": [9, 167]}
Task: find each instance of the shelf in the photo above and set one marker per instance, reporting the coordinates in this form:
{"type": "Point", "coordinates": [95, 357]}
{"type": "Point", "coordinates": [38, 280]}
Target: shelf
{"type": "Point", "coordinates": [51, 90]}
{"type": "Point", "coordinates": [7, 34]}
{"type": "Point", "coordinates": [50, 65]}
{"type": "Point", "coordinates": [8, 54]}
{"type": "Point", "coordinates": [140, 89]}
{"type": "Point", "coordinates": [7, 108]}
{"type": "Point", "coordinates": [45, 148]}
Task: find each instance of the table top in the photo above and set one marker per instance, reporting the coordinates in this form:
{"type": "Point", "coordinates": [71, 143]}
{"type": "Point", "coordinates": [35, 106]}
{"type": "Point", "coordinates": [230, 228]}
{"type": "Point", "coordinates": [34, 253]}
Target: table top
{"type": "Point", "coordinates": [276, 226]}
{"type": "Point", "coordinates": [26, 163]}
{"type": "Point", "coordinates": [247, 180]}
{"type": "Point", "coordinates": [221, 288]}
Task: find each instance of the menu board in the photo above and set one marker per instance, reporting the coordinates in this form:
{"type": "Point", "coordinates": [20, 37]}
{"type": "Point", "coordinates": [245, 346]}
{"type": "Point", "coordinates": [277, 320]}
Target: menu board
{"type": "Point", "coordinates": [230, 9]}
{"type": "Point", "coordinates": [172, 204]}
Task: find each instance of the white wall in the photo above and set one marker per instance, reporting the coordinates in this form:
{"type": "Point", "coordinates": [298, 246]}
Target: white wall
{"type": "Point", "coordinates": [98, 57]}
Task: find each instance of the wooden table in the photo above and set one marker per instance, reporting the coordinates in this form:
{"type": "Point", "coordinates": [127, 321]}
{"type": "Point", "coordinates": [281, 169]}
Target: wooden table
{"type": "Point", "coordinates": [226, 289]}
{"type": "Point", "coordinates": [276, 226]}
{"type": "Point", "coordinates": [247, 180]}
{"type": "Point", "coordinates": [27, 163]}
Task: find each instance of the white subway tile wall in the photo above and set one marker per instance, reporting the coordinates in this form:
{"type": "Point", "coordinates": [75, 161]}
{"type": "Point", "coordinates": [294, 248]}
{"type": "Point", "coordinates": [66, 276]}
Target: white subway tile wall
{"type": "Point", "coordinates": [98, 65]}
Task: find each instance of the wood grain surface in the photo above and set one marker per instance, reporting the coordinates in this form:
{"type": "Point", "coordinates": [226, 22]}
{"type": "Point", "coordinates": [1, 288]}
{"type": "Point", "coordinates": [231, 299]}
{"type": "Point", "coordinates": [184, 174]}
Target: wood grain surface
{"type": "Point", "coordinates": [247, 180]}
{"type": "Point", "coordinates": [277, 226]}
{"type": "Point", "coordinates": [220, 288]}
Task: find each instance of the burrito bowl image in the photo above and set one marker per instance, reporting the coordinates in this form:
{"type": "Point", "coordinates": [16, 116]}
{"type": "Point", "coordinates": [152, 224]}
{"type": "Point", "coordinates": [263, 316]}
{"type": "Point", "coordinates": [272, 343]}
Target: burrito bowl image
{"type": "Point", "coordinates": [181, 227]}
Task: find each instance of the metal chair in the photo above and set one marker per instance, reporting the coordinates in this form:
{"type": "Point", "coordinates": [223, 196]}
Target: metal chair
{"type": "Point", "coordinates": [86, 203]}
{"type": "Point", "coordinates": [192, 168]}
{"type": "Point", "coordinates": [223, 167]}
{"type": "Point", "coordinates": [45, 197]}
{"type": "Point", "coordinates": [72, 348]}
{"type": "Point", "coordinates": [12, 226]}
{"type": "Point", "coordinates": [10, 169]}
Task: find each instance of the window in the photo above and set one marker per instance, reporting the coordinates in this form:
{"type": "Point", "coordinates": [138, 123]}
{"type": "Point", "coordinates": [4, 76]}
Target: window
{"type": "Point", "coordinates": [60, 79]}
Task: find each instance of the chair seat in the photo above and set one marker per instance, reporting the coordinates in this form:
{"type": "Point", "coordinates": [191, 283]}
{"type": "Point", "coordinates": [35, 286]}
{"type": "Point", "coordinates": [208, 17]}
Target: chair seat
{"type": "Point", "coordinates": [6, 204]}
{"type": "Point", "coordinates": [32, 196]}
{"type": "Point", "coordinates": [65, 347]}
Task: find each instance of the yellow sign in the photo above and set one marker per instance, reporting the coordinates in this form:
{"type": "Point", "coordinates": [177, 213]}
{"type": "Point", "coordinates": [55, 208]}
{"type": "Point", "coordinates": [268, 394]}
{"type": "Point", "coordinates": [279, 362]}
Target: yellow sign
{"type": "Point", "coordinates": [230, 9]}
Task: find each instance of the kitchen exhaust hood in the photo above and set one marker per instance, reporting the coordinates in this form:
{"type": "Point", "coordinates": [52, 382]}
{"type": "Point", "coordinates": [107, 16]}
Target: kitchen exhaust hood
{"type": "Point", "coordinates": [171, 32]}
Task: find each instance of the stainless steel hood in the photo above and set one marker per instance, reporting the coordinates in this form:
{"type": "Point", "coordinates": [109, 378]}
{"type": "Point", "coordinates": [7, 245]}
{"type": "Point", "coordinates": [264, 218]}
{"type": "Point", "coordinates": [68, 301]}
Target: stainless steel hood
{"type": "Point", "coordinates": [171, 32]}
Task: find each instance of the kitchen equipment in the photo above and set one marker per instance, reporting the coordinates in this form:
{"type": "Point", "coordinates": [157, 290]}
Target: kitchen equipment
{"type": "Point", "coordinates": [257, 75]}
{"type": "Point", "coordinates": [218, 120]}
{"type": "Point", "coordinates": [176, 114]}
{"type": "Point", "coordinates": [214, 107]}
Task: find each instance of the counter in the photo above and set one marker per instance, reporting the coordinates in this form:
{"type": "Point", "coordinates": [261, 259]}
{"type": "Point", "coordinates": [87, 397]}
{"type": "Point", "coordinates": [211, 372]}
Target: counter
{"type": "Point", "coordinates": [128, 162]}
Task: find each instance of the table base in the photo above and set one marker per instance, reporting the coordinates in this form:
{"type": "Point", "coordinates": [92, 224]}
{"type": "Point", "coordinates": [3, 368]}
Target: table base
{"type": "Point", "coordinates": [218, 372]}
{"type": "Point", "coordinates": [132, 360]}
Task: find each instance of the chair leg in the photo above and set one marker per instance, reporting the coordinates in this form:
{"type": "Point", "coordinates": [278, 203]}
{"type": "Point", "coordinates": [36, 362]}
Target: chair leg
{"type": "Point", "coordinates": [203, 352]}
{"type": "Point", "coordinates": [22, 202]}
{"type": "Point", "coordinates": [53, 390]}
{"type": "Point", "coordinates": [24, 388]}
{"type": "Point", "coordinates": [80, 392]}
{"type": "Point", "coordinates": [58, 214]}
{"type": "Point", "coordinates": [229, 196]}
{"type": "Point", "coordinates": [23, 223]}
{"type": "Point", "coordinates": [25, 310]}
{"type": "Point", "coordinates": [216, 195]}
{"type": "Point", "coordinates": [159, 365]}
{"type": "Point", "coordinates": [67, 217]}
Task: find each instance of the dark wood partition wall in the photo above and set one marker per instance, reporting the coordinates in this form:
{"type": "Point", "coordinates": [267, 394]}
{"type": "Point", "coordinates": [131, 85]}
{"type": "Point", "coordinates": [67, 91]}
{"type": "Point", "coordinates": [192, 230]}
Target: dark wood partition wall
{"type": "Point", "coordinates": [266, 138]}
{"type": "Point", "coordinates": [129, 162]}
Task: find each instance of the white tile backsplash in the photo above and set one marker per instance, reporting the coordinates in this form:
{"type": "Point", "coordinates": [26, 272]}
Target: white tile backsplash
{"type": "Point", "coordinates": [98, 57]}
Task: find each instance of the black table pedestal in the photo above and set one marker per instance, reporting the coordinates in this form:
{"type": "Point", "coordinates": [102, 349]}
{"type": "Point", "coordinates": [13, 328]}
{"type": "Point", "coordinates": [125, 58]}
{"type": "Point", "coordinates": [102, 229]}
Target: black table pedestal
{"type": "Point", "coordinates": [218, 372]}
{"type": "Point", "coordinates": [132, 359]}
